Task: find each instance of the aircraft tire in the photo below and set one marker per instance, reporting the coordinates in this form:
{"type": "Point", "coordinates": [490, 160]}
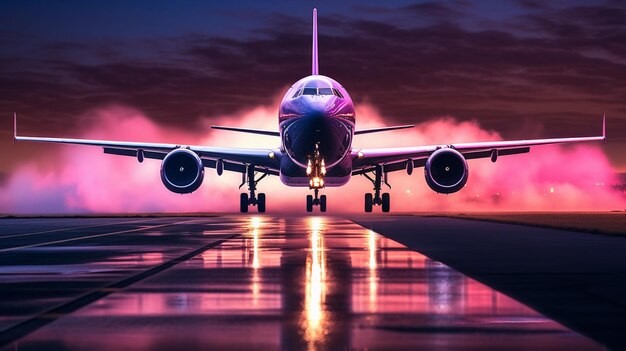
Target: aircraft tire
{"type": "Point", "coordinates": [369, 202]}
{"type": "Point", "coordinates": [323, 203]}
{"type": "Point", "coordinates": [386, 203]}
{"type": "Point", "coordinates": [243, 203]}
{"type": "Point", "coordinates": [309, 203]}
{"type": "Point", "coordinates": [261, 203]}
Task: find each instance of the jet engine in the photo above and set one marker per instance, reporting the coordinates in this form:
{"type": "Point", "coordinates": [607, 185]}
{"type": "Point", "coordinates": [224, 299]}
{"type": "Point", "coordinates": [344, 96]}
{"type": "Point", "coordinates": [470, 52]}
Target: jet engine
{"type": "Point", "coordinates": [446, 171]}
{"type": "Point", "coordinates": [182, 171]}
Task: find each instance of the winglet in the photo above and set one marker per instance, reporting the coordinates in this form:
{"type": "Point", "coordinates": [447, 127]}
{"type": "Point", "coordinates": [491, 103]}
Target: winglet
{"type": "Point", "coordinates": [14, 127]}
{"type": "Point", "coordinates": [604, 128]}
{"type": "Point", "coordinates": [315, 69]}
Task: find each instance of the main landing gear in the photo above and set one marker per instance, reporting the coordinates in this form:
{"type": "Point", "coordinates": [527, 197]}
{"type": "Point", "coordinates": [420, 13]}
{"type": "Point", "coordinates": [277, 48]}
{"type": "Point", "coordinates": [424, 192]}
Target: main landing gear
{"type": "Point", "coordinates": [251, 199]}
{"type": "Point", "coordinates": [321, 201]}
{"type": "Point", "coordinates": [376, 199]}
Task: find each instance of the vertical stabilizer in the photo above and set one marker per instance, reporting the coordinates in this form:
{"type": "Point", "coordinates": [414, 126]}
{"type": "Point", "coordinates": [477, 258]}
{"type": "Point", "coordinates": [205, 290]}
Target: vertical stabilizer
{"type": "Point", "coordinates": [315, 69]}
{"type": "Point", "coordinates": [14, 127]}
{"type": "Point", "coordinates": [604, 127]}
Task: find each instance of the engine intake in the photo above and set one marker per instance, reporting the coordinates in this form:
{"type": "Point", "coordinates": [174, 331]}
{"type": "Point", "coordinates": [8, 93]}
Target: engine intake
{"type": "Point", "coordinates": [182, 171]}
{"type": "Point", "coordinates": [446, 171]}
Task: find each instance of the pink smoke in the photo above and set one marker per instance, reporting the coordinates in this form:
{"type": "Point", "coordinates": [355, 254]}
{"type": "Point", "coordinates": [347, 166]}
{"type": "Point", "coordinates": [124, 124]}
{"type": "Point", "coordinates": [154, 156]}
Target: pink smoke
{"type": "Point", "coordinates": [86, 180]}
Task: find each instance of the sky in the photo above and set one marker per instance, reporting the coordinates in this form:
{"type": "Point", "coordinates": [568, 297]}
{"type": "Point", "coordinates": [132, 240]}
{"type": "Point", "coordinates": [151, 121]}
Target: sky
{"type": "Point", "coordinates": [515, 69]}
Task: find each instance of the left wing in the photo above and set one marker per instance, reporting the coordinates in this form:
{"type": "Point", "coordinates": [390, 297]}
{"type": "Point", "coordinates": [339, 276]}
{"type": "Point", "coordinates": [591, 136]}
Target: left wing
{"type": "Point", "coordinates": [234, 159]}
{"type": "Point", "coordinates": [394, 159]}
{"type": "Point", "coordinates": [248, 130]}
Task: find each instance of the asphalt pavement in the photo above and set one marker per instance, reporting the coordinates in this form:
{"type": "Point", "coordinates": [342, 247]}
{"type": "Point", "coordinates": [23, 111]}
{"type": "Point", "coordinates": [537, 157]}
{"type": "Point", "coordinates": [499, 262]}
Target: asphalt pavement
{"type": "Point", "coordinates": [262, 282]}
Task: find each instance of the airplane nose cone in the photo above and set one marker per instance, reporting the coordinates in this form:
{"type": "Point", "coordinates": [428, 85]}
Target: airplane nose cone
{"type": "Point", "coordinates": [320, 105]}
{"type": "Point", "coordinates": [317, 130]}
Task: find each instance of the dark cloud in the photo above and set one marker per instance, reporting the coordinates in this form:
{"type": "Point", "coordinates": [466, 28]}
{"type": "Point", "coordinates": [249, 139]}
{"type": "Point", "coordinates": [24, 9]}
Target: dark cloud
{"type": "Point", "coordinates": [533, 4]}
{"type": "Point", "coordinates": [583, 28]}
{"type": "Point", "coordinates": [437, 9]}
{"type": "Point", "coordinates": [568, 70]}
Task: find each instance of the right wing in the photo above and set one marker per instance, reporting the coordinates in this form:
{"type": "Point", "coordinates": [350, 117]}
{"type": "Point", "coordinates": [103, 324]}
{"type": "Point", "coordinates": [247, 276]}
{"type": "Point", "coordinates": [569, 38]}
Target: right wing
{"type": "Point", "coordinates": [381, 129]}
{"type": "Point", "coordinates": [234, 159]}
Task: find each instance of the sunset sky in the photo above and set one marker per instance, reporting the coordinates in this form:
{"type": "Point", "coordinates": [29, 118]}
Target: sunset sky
{"type": "Point", "coordinates": [519, 68]}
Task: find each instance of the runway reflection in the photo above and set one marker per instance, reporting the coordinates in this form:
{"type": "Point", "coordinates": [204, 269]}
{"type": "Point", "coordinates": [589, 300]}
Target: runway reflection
{"type": "Point", "coordinates": [256, 281]}
{"type": "Point", "coordinates": [318, 283]}
{"type": "Point", "coordinates": [373, 276]}
{"type": "Point", "coordinates": [315, 285]}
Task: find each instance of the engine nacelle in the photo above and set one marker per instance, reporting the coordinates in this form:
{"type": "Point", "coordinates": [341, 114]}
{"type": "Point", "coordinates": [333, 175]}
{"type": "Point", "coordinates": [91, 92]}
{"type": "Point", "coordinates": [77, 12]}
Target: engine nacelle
{"type": "Point", "coordinates": [446, 171]}
{"type": "Point", "coordinates": [182, 171]}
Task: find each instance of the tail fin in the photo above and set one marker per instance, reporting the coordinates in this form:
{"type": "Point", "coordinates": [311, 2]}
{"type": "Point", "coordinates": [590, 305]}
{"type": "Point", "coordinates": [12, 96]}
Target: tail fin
{"type": "Point", "coordinates": [315, 70]}
{"type": "Point", "coordinates": [14, 127]}
{"type": "Point", "coordinates": [604, 127]}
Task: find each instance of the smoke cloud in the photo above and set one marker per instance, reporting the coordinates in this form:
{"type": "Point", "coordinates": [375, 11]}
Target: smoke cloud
{"type": "Point", "coordinates": [80, 179]}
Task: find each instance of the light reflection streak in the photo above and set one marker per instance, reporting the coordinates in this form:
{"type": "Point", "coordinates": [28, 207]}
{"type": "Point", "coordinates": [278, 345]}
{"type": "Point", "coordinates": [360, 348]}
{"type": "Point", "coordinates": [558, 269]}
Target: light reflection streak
{"type": "Point", "coordinates": [152, 258]}
{"type": "Point", "coordinates": [315, 286]}
{"type": "Point", "coordinates": [443, 289]}
{"type": "Point", "coordinates": [256, 262]}
{"type": "Point", "coordinates": [373, 272]}
{"type": "Point", "coordinates": [256, 224]}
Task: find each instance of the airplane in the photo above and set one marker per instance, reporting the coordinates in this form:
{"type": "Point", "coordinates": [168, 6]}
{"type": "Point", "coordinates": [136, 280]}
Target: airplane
{"type": "Point", "coordinates": [316, 127]}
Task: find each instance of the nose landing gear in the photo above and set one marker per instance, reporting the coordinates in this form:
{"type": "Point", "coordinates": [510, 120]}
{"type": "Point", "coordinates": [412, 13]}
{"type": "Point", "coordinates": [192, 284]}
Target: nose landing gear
{"type": "Point", "coordinates": [316, 170]}
{"type": "Point", "coordinates": [376, 199]}
{"type": "Point", "coordinates": [317, 201]}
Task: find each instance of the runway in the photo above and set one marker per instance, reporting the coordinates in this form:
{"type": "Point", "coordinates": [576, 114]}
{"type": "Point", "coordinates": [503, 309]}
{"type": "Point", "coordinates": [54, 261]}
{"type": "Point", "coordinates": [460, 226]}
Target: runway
{"type": "Point", "coordinates": [261, 282]}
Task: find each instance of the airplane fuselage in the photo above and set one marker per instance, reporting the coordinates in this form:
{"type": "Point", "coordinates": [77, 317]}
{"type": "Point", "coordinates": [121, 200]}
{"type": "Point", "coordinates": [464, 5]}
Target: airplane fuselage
{"type": "Point", "coordinates": [316, 120]}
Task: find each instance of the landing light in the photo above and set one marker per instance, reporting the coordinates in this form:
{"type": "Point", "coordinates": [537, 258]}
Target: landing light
{"type": "Point", "coordinates": [316, 182]}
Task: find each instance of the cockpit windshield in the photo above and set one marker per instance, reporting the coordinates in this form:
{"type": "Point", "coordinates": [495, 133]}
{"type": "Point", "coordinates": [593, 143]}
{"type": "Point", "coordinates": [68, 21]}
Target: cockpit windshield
{"type": "Point", "coordinates": [318, 91]}
{"type": "Point", "coordinates": [325, 91]}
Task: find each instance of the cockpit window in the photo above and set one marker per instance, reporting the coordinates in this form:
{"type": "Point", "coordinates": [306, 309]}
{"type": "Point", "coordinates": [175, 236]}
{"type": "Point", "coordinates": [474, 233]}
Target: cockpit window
{"type": "Point", "coordinates": [297, 94]}
{"type": "Point", "coordinates": [320, 91]}
{"type": "Point", "coordinates": [309, 91]}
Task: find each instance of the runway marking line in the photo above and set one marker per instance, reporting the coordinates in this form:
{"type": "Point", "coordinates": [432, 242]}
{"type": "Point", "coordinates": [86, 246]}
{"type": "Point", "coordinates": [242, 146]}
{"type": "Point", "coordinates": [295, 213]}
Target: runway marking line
{"type": "Point", "coordinates": [28, 326]}
{"type": "Point", "coordinates": [94, 236]}
{"type": "Point", "coordinates": [70, 228]}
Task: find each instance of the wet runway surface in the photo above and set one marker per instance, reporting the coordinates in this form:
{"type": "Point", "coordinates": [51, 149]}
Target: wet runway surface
{"type": "Point", "coordinates": [245, 282]}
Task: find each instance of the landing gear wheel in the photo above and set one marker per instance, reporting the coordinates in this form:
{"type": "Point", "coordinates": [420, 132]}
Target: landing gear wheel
{"type": "Point", "coordinates": [369, 201]}
{"type": "Point", "coordinates": [243, 202]}
{"type": "Point", "coordinates": [261, 202]}
{"type": "Point", "coordinates": [386, 202]}
{"type": "Point", "coordinates": [323, 203]}
{"type": "Point", "coordinates": [309, 203]}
